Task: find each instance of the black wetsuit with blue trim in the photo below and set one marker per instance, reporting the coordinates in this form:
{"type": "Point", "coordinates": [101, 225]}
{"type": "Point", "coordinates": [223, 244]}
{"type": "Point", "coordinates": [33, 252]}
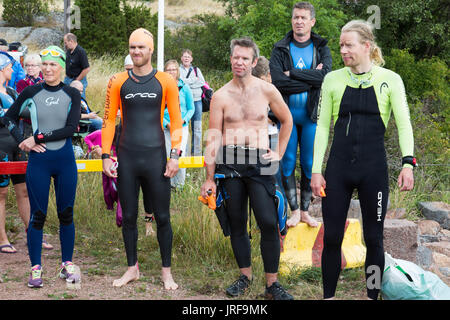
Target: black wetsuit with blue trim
{"type": "Point", "coordinates": [55, 113]}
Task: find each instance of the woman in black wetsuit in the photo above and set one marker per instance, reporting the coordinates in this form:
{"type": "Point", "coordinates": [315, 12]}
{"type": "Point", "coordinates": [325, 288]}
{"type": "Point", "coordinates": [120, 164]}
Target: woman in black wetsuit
{"type": "Point", "coordinates": [55, 112]}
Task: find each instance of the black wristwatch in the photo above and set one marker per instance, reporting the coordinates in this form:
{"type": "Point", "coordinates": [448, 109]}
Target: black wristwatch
{"type": "Point", "coordinates": [39, 137]}
{"type": "Point", "coordinates": [106, 156]}
{"type": "Point", "coordinates": [175, 154]}
{"type": "Point", "coordinates": [409, 160]}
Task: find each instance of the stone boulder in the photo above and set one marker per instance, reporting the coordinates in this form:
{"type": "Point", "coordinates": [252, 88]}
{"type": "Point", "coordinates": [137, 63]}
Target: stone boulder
{"type": "Point", "coordinates": [430, 227]}
{"type": "Point", "coordinates": [437, 211]}
{"type": "Point", "coordinates": [400, 239]}
{"type": "Point", "coordinates": [11, 34]}
{"type": "Point", "coordinates": [442, 247]}
{"type": "Point", "coordinates": [398, 213]}
{"type": "Point", "coordinates": [44, 37]}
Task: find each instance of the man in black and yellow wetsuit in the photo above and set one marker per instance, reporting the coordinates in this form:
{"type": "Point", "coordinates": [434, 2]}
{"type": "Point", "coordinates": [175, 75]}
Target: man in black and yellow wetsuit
{"type": "Point", "coordinates": [360, 98]}
{"type": "Point", "coordinates": [141, 95]}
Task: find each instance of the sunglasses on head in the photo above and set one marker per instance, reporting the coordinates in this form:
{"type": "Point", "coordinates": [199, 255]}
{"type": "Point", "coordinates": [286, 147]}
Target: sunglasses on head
{"type": "Point", "coordinates": [53, 53]}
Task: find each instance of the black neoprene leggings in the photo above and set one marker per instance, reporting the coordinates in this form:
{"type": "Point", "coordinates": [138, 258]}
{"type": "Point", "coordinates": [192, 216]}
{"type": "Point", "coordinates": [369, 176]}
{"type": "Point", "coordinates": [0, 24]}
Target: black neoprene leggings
{"type": "Point", "coordinates": [263, 205]}
{"type": "Point", "coordinates": [371, 181]}
{"type": "Point", "coordinates": [144, 169]}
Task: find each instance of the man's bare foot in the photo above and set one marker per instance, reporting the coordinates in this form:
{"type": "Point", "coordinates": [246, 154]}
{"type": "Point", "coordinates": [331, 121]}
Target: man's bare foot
{"type": "Point", "coordinates": [131, 274]}
{"type": "Point", "coordinates": [310, 221]}
{"type": "Point", "coordinates": [167, 279]}
{"type": "Point", "coordinates": [294, 219]}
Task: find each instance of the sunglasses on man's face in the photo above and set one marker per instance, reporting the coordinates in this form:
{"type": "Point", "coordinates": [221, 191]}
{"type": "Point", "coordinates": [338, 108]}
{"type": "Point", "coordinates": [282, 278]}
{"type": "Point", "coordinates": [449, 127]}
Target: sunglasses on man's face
{"type": "Point", "coordinates": [53, 53]}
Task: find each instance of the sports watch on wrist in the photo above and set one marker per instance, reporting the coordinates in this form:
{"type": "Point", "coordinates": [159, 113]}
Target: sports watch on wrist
{"type": "Point", "coordinates": [175, 154]}
{"type": "Point", "coordinates": [409, 160]}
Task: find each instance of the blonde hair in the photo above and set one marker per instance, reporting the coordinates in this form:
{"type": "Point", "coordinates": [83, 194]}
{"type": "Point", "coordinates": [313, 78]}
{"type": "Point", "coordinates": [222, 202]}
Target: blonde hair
{"type": "Point", "coordinates": [365, 32]}
{"type": "Point", "coordinates": [32, 57]}
{"type": "Point", "coordinates": [174, 62]}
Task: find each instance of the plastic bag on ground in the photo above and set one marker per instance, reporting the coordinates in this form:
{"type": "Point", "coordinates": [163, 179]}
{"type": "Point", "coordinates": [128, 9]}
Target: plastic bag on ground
{"type": "Point", "coordinates": [404, 280]}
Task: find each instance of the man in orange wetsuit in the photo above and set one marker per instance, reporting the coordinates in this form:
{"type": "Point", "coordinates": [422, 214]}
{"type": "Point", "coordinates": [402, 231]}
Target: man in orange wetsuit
{"type": "Point", "coordinates": [141, 94]}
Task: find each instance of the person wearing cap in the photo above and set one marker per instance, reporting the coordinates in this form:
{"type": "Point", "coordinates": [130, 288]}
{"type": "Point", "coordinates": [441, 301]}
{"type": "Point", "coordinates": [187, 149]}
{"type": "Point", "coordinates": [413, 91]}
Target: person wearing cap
{"type": "Point", "coordinates": [10, 152]}
{"type": "Point", "coordinates": [128, 63]}
{"type": "Point", "coordinates": [18, 72]}
{"type": "Point", "coordinates": [77, 66]}
{"type": "Point", "coordinates": [54, 110]}
{"type": "Point", "coordinates": [143, 93]}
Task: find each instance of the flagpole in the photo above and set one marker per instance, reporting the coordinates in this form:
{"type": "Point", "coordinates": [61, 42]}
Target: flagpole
{"type": "Point", "coordinates": [160, 60]}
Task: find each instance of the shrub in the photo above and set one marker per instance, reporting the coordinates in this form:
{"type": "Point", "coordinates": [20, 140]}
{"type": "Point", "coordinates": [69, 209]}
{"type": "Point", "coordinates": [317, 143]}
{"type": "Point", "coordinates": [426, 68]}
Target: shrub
{"type": "Point", "coordinates": [208, 39]}
{"type": "Point", "coordinates": [102, 26]}
{"type": "Point", "coordinates": [19, 13]}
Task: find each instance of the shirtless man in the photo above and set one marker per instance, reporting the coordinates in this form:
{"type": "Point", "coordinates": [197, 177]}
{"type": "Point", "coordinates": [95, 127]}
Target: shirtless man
{"type": "Point", "coordinates": [238, 127]}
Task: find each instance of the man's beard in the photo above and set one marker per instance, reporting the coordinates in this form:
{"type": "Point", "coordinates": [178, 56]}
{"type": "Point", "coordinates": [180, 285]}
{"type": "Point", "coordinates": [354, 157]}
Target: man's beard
{"type": "Point", "coordinates": [144, 62]}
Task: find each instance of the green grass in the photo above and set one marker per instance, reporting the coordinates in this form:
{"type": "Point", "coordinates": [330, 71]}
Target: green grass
{"type": "Point", "coordinates": [202, 259]}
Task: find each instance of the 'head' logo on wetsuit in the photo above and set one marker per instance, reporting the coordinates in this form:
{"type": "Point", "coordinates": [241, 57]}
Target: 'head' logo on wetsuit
{"type": "Point", "coordinates": [385, 85]}
{"type": "Point", "coordinates": [141, 94]}
{"type": "Point", "coordinates": [51, 100]}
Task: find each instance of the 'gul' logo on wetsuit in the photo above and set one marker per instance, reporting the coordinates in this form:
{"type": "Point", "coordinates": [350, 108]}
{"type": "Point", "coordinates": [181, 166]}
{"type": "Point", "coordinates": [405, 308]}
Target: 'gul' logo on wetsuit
{"type": "Point", "coordinates": [51, 100]}
{"type": "Point", "coordinates": [379, 210]}
{"type": "Point", "coordinates": [141, 94]}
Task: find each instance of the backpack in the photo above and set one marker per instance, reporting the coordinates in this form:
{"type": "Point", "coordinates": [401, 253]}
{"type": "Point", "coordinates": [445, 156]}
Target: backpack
{"type": "Point", "coordinates": [207, 92]}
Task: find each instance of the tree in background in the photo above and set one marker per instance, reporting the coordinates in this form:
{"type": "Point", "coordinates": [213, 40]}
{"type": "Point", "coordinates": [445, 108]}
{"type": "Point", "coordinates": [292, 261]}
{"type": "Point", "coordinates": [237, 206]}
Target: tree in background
{"type": "Point", "coordinates": [422, 27]}
{"type": "Point", "coordinates": [102, 26]}
{"type": "Point", "coordinates": [20, 13]}
{"type": "Point", "coordinates": [268, 21]}
{"type": "Point", "coordinates": [107, 24]}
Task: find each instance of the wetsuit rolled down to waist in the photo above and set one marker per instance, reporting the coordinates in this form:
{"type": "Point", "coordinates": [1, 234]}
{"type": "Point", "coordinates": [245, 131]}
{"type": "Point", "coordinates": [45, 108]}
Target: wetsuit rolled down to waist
{"type": "Point", "coordinates": [141, 151]}
{"type": "Point", "coordinates": [241, 173]}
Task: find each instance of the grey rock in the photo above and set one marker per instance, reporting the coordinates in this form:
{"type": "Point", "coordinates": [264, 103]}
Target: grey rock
{"type": "Point", "coordinates": [424, 257]}
{"type": "Point", "coordinates": [43, 37]}
{"type": "Point", "coordinates": [445, 271]}
{"type": "Point", "coordinates": [437, 211]}
{"type": "Point", "coordinates": [400, 239]}
{"type": "Point", "coordinates": [427, 238]}
{"type": "Point", "coordinates": [11, 34]}
{"type": "Point", "coordinates": [354, 210]}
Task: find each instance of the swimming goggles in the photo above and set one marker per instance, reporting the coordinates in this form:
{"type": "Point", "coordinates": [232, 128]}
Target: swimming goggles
{"type": "Point", "coordinates": [53, 53]}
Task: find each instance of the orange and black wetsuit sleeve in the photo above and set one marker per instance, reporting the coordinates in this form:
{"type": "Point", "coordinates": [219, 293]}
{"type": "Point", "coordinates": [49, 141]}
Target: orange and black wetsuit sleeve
{"type": "Point", "coordinates": [112, 105]}
{"type": "Point", "coordinates": [171, 98]}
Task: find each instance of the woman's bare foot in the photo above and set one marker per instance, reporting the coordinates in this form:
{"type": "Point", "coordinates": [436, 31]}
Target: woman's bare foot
{"type": "Point", "coordinates": [310, 221]}
{"type": "Point", "coordinates": [131, 274]}
{"type": "Point", "coordinates": [166, 276]}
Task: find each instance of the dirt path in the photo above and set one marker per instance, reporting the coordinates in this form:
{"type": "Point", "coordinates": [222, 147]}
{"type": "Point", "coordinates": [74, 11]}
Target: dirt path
{"type": "Point", "coordinates": [15, 268]}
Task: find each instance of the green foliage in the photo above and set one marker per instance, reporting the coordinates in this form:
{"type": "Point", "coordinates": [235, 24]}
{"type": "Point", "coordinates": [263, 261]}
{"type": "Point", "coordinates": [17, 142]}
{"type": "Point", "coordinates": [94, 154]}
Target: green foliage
{"type": "Point", "coordinates": [208, 38]}
{"type": "Point", "coordinates": [427, 80]}
{"type": "Point", "coordinates": [268, 21]}
{"type": "Point", "coordinates": [427, 87]}
{"type": "Point", "coordinates": [421, 26]}
{"type": "Point", "coordinates": [106, 25]}
{"type": "Point", "coordinates": [139, 16]}
{"type": "Point", "coordinates": [19, 13]}
{"type": "Point", "coordinates": [103, 26]}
